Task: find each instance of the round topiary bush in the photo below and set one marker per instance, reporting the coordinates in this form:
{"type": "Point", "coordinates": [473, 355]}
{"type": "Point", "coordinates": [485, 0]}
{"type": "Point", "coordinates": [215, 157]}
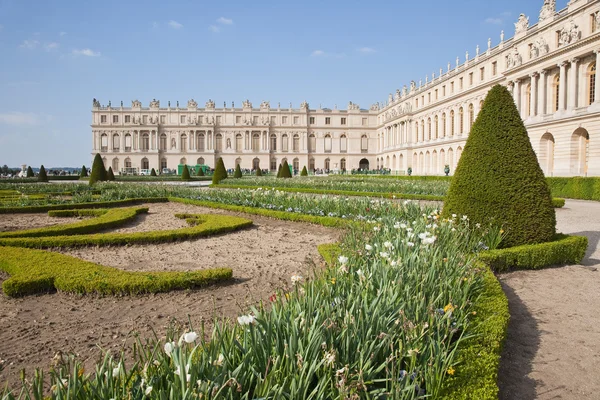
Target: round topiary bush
{"type": "Point", "coordinates": [185, 174]}
{"type": "Point", "coordinates": [42, 176]}
{"type": "Point", "coordinates": [304, 171]}
{"type": "Point", "coordinates": [238, 172]}
{"type": "Point", "coordinates": [285, 170]}
{"type": "Point", "coordinates": [220, 172]}
{"type": "Point", "coordinates": [84, 172]}
{"type": "Point", "coordinates": [110, 176]}
{"type": "Point", "coordinates": [153, 172]}
{"type": "Point", "coordinates": [30, 173]}
{"type": "Point", "coordinates": [98, 171]}
{"type": "Point", "coordinates": [498, 178]}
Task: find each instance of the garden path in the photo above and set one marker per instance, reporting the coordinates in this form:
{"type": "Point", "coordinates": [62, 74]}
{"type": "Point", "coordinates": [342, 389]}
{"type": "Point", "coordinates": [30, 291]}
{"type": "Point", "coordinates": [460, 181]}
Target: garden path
{"type": "Point", "coordinates": [552, 350]}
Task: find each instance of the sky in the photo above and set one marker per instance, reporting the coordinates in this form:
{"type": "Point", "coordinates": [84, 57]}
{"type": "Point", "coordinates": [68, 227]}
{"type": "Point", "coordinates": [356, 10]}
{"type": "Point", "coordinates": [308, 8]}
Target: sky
{"type": "Point", "coordinates": [57, 55]}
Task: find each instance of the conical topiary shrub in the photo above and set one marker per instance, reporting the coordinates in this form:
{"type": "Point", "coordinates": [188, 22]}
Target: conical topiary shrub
{"type": "Point", "coordinates": [220, 172]}
{"type": "Point", "coordinates": [498, 178]}
{"type": "Point", "coordinates": [259, 172]}
{"type": "Point", "coordinates": [285, 170]}
{"type": "Point", "coordinates": [110, 176]}
{"type": "Point", "coordinates": [42, 177]}
{"type": "Point", "coordinates": [185, 174]}
{"type": "Point", "coordinates": [98, 171]}
{"type": "Point", "coordinates": [279, 171]}
{"type": "Point", "coordinates": [84, 172]}
{"type": "Point", "coordinates": [30, 173]}
{"type": "Point", "coordinates": [153, 172]}
{"type": "Point", "coordinates": [238, 172]}
{"type": "Point", "coordinates": [304, 172]}
{"type": "Point", "coordinates": [200, 171]}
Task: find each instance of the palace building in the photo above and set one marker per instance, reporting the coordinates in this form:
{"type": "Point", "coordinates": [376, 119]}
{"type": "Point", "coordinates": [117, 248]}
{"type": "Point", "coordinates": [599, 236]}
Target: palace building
{"type": "Point", "coordinates": [550, 67]}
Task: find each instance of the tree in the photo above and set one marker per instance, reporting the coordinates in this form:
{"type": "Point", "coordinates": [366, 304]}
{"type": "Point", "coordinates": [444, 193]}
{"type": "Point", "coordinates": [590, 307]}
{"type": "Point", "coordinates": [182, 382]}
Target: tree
{"type": "Point", "coordinates": [279, 171]}
{"type": "Point", "coordinates": [200, 171]}
{"type": "Point", "coordinates": [185, 175]}
{"type": "Point", "coordinates": [220, 172]}
{"type": "Point", "coordinates": [153, 172]}
{"type": "Point", "coordinates": [259, 172]}
{"type": "Point", "coordinates": [285, 170]}
{"type": "Point", "coordinates": [30, 173]}
{"type": "Point", "coordinates": [84, 172]}
{"type": "Point", "coordinates": [498, 178]}
{"type": "Point", "coordinates": [42, 177]}
{"type": "Point", "coordinates": [304, 172]}
{"type": "Point", "coordinates": [238, 172]}
{"type": "Point", "coordinates": [98, 171]}
{"type": "Point", "coordinates": [110, 176]}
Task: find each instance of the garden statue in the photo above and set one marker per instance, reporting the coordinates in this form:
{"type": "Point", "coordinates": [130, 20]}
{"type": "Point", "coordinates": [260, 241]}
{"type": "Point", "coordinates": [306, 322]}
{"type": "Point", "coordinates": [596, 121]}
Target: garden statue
{"type": "Point", "coordinates": [447, 169]}
{"type": "Point", "coordinates": [409, 171]}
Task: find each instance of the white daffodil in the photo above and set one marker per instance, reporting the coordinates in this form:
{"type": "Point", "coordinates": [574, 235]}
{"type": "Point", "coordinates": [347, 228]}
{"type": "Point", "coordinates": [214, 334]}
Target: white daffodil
{"type": "Point", "coordinates": [296, 278]}
{"type": "Point", "coordinates": [169, 347]}
{"type": "Point", "coordinates": [190, 337]}
{"type": "Point", "coordinates": [368, 247]}
{"type": "Point", "coordinates": [343, 260]}
{"type": "Point", "coordinates": [246, 319]}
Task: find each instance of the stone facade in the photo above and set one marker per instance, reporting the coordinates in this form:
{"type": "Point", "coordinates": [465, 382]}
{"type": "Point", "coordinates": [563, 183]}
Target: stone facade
{"type": "Point", "coordinates": [550, 67]}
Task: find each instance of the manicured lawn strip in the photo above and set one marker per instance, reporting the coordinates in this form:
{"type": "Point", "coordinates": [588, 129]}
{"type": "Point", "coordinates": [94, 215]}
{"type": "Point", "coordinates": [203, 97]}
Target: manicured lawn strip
{"type": "Point", "coordinates": [71, 206]}
{"type": "Point", "coordinates": [86, 212]}
{"type": "Point", "coordinates": [109, 219]}
{"type": "Point", "coordinates": [575, 188]}
{"type": "Point", "coordinates": [206, 225]}
{"type": "Point", "coordinates": [37, 271]}
{"type": "Point", "coordinates": [562, 250]}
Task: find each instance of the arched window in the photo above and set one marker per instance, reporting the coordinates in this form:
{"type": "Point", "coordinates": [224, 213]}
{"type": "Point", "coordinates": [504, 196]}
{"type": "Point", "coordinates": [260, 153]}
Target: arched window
{"type": "Point", "coordinates": [556, 92]}
{"type": "Point", "coordinates": [104, 142]}
{"type": "Point", "coordinates": [546, 153]}
{"type": "Point", "coordinates": [461, 120]}
{"type": "Point", "coordinates": [201, 142]}
{"type": "Point", "coordinates": [311, 164]}
{"type": "Point", "coordinates": [163, 163]}
{"type": "Point", "coordinates": [183, 161]}
{"type": "Point", "coordinates": [364, 144]}
{"type": "Point", "coordinates": [255, 141]}
{"type": "Point", "coordinates": [416, 131]}
{"type": "Point", "coordinates": [238, 161]}
{"type": "Point", "coordinates": [163, 141]}
{"type": "Point", "coordinates": [128, 142]}
{"type": "Point", "coordinates": [296, 143]}
{"type": "Point", "coordinates": [116, 143]}
{"type": "Point", "coordinates": [255, 164]}
{"type": "Point", "coordinates": [471, 116]}
{"type": "Point", "coordinates": [296, 165]}
{"type": "Point", "coordinates": [273, 164]}
{"type": "Point", "coordinates": [528, 94]}
{"type": "Point", "coordinates": [145, 163]}
{"type": "Point", "coordinates": [239, 142]}
{"type": "Point", "coordinates": [444, 125]}
{"type": "Point", "coordinates": [327, 164]}
{"type": "Point", "coordinates": [580, 152]}
{"type": "Point", "coordinates": [273, 142]}
{"type": "Point", "coordinates": [128, 162]}
{"type": "Point", "coordinates": [312, 142]}
{"type": "Point", "coordinates": [592, 84]}
{"type": "Point", "coordinates": [451, 123]}
{"type": "Point", "coordinates": [327, 143]}
{"type": "Point", "coordinates": [428, 128]}
{"type": "Point", "coordinates": [422, 130]}
{"type": "Point", "coordinates": [218, 142]}
{"type": "Point", "coordinates": [343, 164]}
{"type": "Point", "coordinates": [343, 144]}
{"type": "Point", "coordinates": [284, 143]}
{"type": "Point", "coordinates": [436, 128]}
{"type": "Point", "coordinates": [200, 161]}
{"type": "Point", "coordinates": [115, 165]}
{"type": "Point", "coordinates": [183, 143]}
{"type": "Point", "coordinates": [145, 142]}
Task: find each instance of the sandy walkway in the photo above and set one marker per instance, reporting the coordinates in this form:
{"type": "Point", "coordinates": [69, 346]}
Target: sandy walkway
{"type": "Point", "coordinates": [263, 259]}
{"type": "Point", "coordinates": [553, 346]}
{"type": "Point", "coordinates": [14, 222]}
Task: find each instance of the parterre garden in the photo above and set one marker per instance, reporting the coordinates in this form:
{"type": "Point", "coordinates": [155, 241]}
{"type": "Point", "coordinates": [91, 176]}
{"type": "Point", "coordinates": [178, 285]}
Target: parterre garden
{"type": "Point", "coordinates": [406, 307]}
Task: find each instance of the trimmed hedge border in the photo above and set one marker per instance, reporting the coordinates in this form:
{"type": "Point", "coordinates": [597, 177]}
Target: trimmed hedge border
{"type": "Point", "coordinates": [204, 225]}
{"type": "Point", "coordinates": [73, 206]}
{"type": "Point", "coordinates": [575, 188]}
{"type": "Point", "coordinates": [37, 271]}
{"type": "Point", "coordinates": [562, 250]}
{"type": "Point", "coordinates": [558, 202]}
{"type": "Point", "coordinates": [108, 219]}
{"type": "Point", "coordinates": [91, 212]}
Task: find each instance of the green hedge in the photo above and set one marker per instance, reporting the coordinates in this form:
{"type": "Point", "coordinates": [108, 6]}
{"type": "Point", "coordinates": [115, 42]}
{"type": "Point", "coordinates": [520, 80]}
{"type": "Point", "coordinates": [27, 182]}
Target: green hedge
{"type": "Point", "coordinates": [206, 225]}
{"type": "Point", "coordinates": [562, 250]}
{"type": "Point", "coordinates": [86, 212]}
{"type": "Point", "coordinates": [72, 206]}
{"type": "Point", "coordinates": [558, 202]}
{"type": "Point", "coordinates": [37, 271]}
{"type": "Point", "coordinates": [575, 188]}
{"type": "Point", "coordinates": [111, 219]}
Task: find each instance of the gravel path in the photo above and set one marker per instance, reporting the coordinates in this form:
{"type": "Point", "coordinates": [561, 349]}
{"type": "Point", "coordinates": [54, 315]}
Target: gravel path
{"type": "Point", "coordinates": [552, 350]}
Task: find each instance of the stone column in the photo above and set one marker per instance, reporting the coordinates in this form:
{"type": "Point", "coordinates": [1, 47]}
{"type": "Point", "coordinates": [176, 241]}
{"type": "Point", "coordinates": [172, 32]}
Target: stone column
{"type": "Point", "coordinates": [94, 140]}
{"type": "Point", "coordinates": [597, 91]}
{"type": "Point", "coordinates": [123, 142]}
{"type": "Point", "coordinates": [541, 101]}
{"type": "Point", "coordinates": [517, 95]}
{"type": "Point", "coordinates": [533, 95]}
{"type": "Point", "coordinates": [572, 84]}
{"type": "Point", "coordinates": [562, 84]}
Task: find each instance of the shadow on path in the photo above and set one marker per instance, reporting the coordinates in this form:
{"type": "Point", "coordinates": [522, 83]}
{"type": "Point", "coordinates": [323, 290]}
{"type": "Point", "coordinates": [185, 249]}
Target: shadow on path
{"type": "Point", "coordinates": [593, 240]}
{"type": "Point", "coordinates": [521, 345]}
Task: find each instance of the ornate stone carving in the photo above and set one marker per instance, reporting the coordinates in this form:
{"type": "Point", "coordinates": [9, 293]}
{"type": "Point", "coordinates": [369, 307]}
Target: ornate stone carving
{"type": "Point", "coordinates": [265, 105]}
{"type": "Point", "coordinates": [247, 104]}
{"type": "Point", "coordinates": [136, 104]}
{"type": "Point", "coordinates": [569, 34]}
{"type": "Point", "coordinates": [413, 86]}
{"type": "Point", "coordinates": [597, 18]}
{"type": "Point", "coordinates": [352, 106]}
{"type": "Point", "coordinates": [390, 99]}
{"type": "Point", "coordinates": [154, 103]}
{"type": "Point", "coordinates": [404, 91]}
{"type": "Point", "coordinates": [95, 103]}
{"type": "Point", "coordinates": [522, 24]}
{"type": "Point", "coordinates": [374, 107]}
{"type": "Point", "coordinates": [304, 105]}
{"type": "Point", "coordinates": [397, 95]}
{"type": "Point", "coordinates": [541, 47]}
{"type": "Point", "coordinates": [265, 121]}
{"type": "Point", "coordinates": [193, 120]}
{"type": "Point", "coordinates": [548, 10]}
{"type": "Point", "coordinates": [192, 104]}
{"type": "Point", "coordinates": [210, 105]}
{"type": "Point", "coordinates": [514, 59]}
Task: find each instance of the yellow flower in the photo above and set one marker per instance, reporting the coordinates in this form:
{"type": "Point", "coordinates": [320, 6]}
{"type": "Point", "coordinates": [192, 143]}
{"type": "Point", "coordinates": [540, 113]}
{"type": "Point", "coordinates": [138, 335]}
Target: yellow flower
{"type": "Point", "coordinates": [333, 281]}
{"type": "Point", "coordinates": [450, 371]}
{"type": "Point", "coordinates": [449, 308]}
{"type": "Point", "coordinates": [501, 230]}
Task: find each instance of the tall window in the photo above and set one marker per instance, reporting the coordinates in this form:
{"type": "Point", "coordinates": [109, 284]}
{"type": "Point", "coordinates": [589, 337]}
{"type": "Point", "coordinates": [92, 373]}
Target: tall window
{"type": "Point", "coordinates": [364, 144]}
{"type": "Point", "coordinates": [104, 142]}
{"type": "Point", "coordinates": [327, 121]}
{"type": "Point", "coordinates": [452, 123]}
{"type": "Point", "coordinates": [343, 121]}
{"type": "Point", "coordinates": [219, 142]}
{"type": "Point", "coordinates": [163, 142]}
{"type": "Point", "coordinates": [471, 116]}
{"type": "Point", "coordinates": [311, 120]}
{"type": "Point", "coordinates": [163, 163]}
{"type": "Point", "coordinates": [115, 119]}
{"type": "Point", "coordinates": [494, 68]}
{"type": "Point", "coordinates": [201, 141]}
{"type": "Point", "coordinates": [343, 144]}
{"type": "Point", "coordinates": [296, 144]}
{"type": "Point", "coordinates": [183, 143]}
{"type": "Point", "coordinates": [343, 164]}
{"type": "Point", "coordinates": [255, 142]}
{"type": "Point", "coordinates": [461, 120]}
{"type": "Point", "coordinates": [444, 125]}
{"type": "Point", "coordinates": [145, 142]}
{"type": "Point", "coordinates": [592, 84]}
{"type": "Point", "coordinates": [429, 129]}
{"type": "Point", "coordinates": [437, 132]}
{"type": "Point", "coordinates": [327, 164]}
{"type": "Point", "coordinates": [556, 92]}
{"type": "Point", "coordinates": [116, 143]}
{"type": "Point", "coordinates": [528, 100]}
{"type": "Point", "coordinates": [239, 142]}
{"type": "Point", "coordinates": [296, 164]}
{"type": "Point", "coordinates": [274, 142]}
{"type": "Point", "coordinates": [128, 142]}
{"type": "Point", "coordinates": [284, 142]}
{"type": "Point", "coordinates": [312, 142]}
{"type": "Point", "coordinates": [416, 131]}
{"type": "Point", "coordinates": [328, 143]}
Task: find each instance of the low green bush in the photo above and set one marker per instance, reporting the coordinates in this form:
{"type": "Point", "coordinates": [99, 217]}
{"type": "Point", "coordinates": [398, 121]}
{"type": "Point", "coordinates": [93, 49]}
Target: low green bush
{"type": "Point", "coordinates": [304, 171]}
{"type": "Point", "coordinates": [558, 202]}
{"type": "Point", "coordinates": [110, 175]}
{"type": "Point", "coordinates": [37, 271]}
{"type": "Point", "coordinates": [71, 206]}
{"type": "Point", "coordinates": [153, 172]}
{"type": "Point", "coordinates": [220, 172]}
{"type": "Point", "coordinates": [206, 225]}
{"type": "Point", "coordinates": [330, 252]}
{"type": "Point", "coordinates": [238, 172]}
{"type": "Point", "coordinates": [185, 174]}
{"type": "Point", "coordinates": [42, 176]}
{"type": "Point", "coordinates": [91, 212]}
{"type": "Point", "coordinates": [562, 250]}
{"type": "Point", "coordinates": [575, 188]}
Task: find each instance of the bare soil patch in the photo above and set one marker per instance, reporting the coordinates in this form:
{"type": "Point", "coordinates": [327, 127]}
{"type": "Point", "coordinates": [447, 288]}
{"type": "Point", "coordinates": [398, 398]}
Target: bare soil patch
{"type": "Point", "coordinates": [16, 222]}
{"type": "Point", "coordinates": [263, 258]}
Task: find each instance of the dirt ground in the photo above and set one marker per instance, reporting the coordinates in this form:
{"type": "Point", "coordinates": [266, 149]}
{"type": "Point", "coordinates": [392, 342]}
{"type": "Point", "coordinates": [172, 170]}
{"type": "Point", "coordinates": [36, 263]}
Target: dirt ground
{"type": "Point", "coordinates": [263, 259]}
{"type": "Point", "coordinates": [552, 350]}
{"type": "Point", "coordinates": [13, 222]}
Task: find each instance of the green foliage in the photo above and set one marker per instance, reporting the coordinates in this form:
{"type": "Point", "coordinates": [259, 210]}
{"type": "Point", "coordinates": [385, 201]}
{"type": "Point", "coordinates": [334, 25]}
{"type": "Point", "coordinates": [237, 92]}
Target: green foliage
{"type": "Point", "coordinates": [204, 225]}
{"type": "Point", "coordinates": [220, 172]}
{"type": "Point", "coordinates": [153, 172]}
{"type": "Point", "coordinates": [110, 176]}
{"type": "Point", "coordinates": [285, 170]}
{"type": "Point", "coordinates": [30, 173]}
{"type": "Point", "coordinates": [558, 202]}
{"type": "Point", "coordinates": [86, 212]}
{"type": "Point", "coordinates": [98, 171]}
{"type": "Point", "coordinates": [330, 252]}
{"type": "Point", "coordinates": [279, 171]}
{"type": "Point", "coordinates": [200, 171]}
{"type": "Point", "coordinates": [259, 172]}
{"type": "Point", "coordinates": [562, 250]}
{"type": "Point", "coordinates": [83, 172]}
{"type": "Point", "coordinates": [575, 187]}
{"type": "Point", "coordinates": [238, 172]}
{"type": "Point", "coordinates": [37, 271]}
{"type": "Point", "coordinates": [498, 178]}
{"type": "Point", "coordinates": [69, 206]}
{"type": "Point", "coordinates": [185, 174]}
{"type": "Point", "coordinates": [42, 177]}
{"type": "Point", "coordinates": [304, 171]}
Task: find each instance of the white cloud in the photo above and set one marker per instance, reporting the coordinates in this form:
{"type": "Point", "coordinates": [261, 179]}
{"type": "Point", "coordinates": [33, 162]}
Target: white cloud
{"type": "Point", "coordinates": [17, 118]}
{"type": "Point", "coordinates": [86, 52]}
{"type": "Point", "coordinates": [29, 44]}
{"type": "Point", "coordinates": [317, 53]}
{"type": "Point", "coordinates": [175, 24]}
{"type": "Point", "coordinates": [51, 46]}
{"type": "Point", "coordinates": [225, 21]}
{"type": "Point", "coordinates": [493, 21]}
{"type": "Point", "coordinates": [62, 33]}
{"type": "Point", "coordinates": [367, 50]}
{"type": "Point", "coordinates": [214, 28]}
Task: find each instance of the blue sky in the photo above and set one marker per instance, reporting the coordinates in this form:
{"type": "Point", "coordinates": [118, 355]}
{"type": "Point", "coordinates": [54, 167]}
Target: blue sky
{"type": "Point", "coordinates": [55, 56]}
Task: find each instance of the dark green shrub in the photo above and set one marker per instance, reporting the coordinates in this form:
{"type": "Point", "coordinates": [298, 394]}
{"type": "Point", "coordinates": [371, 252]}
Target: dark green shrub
{"type": "Point", "coordinates": [185, 174]}
{"type": "Point", "coordinates": [84, 172]}
{"type": "Point", "coordinates": [30, 173]}
{"type": "Point", "coordinates": [153, 172]}
{"type": "Point", "coordinates": [498, 178]}
{"type": "Point", "coordinates": [220, 172]}
{"type": "Point", "coordinates": [42, 177]}
{"type": "Point", "coordinates": [110, 176]}
{"type": "Point", "coordinates": [279, 171]}
{"type": "Point", "coordinates": [259, 172]}
{"type": "Point", "coordinates": [238, 172]}
{"type": "Point", "coordinates": [575, 188]}
{"type": "Point", "coordinates": [285, 170]}
{"type": "Point", "coordinates": [304, 171]}
{"type": "Point", "coordinates": [200, 171]}
{"type": "Point", "coordinates": [98, 171]}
